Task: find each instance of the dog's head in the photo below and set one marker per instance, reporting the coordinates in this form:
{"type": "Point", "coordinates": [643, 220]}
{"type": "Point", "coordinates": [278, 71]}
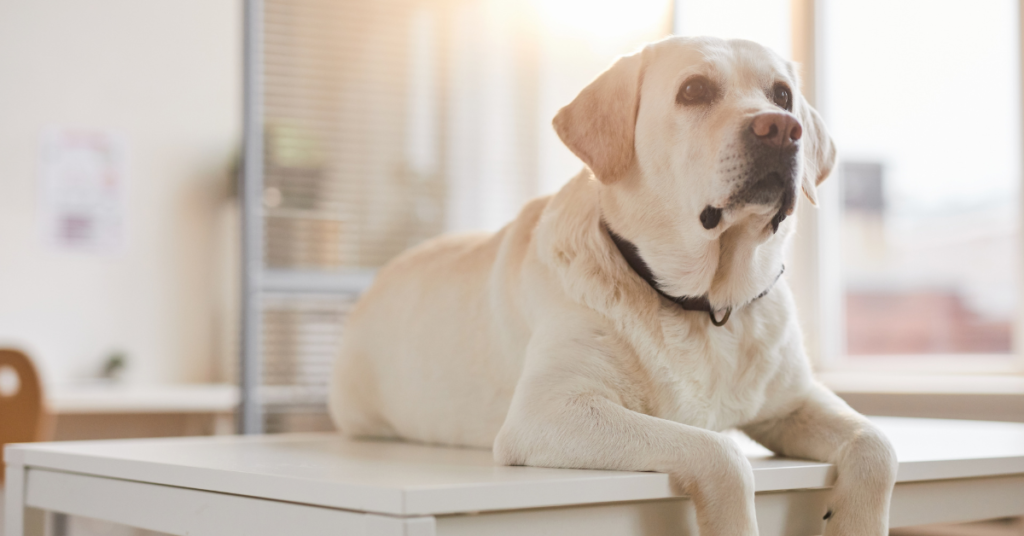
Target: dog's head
{"type": "Point", "coordinates": [701, 145]}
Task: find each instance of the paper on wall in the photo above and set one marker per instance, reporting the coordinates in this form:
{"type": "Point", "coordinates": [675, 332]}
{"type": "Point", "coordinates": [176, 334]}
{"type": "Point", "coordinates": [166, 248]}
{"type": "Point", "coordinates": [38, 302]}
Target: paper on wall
{"type": "Point", "coordinates": [82, 201]}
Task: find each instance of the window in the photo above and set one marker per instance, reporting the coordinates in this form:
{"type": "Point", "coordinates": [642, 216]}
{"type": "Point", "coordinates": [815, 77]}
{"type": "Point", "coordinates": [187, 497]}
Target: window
{"type": "Point", "coordinates": [912, 257]}
{"type": "Point", "coordinates": [763, 21]}
{"type": "Point", "coordinates": [923, 101]}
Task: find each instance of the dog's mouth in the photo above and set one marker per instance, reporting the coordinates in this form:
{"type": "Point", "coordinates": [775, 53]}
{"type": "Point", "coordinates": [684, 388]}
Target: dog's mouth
{"type": "Point", "coordinates": [772, 189]}
{"type": "Point", "coordinates": [767, 189]}
{"type": "Point", "coordinates": [786, 207]}
{"type": "Point", "coordinates": [773, 183]}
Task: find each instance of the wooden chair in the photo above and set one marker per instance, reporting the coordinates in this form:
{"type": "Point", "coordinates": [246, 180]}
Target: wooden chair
{"type": "Point", "coordinates": [23, 415]}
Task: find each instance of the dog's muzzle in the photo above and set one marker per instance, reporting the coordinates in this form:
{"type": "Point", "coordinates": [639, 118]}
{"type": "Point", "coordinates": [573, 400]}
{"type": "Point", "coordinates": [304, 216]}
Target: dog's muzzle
{"type": "Point", "coordinates": [772, 143]}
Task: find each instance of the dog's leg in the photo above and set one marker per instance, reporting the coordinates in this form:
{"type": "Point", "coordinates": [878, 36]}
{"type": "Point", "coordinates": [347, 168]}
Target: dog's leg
{"type": "Point", "coordinates": [568, 412]}
{"type": "Point", "coordinates": [824, 428]}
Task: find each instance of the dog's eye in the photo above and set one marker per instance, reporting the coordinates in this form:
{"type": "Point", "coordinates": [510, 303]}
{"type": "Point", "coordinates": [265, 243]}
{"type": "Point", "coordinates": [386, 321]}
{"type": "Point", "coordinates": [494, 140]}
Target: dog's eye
{"type": "Point", "coordinates": [782, 97]}
{"type": "Point", "coordinates": [695, 90]}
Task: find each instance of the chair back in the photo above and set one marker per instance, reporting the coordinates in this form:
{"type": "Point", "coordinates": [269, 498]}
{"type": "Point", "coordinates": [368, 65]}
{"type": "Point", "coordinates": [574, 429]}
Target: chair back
{"type": "Point", "coordinates": [23, 415]}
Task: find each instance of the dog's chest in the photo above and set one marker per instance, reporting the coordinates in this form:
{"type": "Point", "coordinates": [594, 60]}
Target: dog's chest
{"type": "Point", "coordinates": [714, 378]}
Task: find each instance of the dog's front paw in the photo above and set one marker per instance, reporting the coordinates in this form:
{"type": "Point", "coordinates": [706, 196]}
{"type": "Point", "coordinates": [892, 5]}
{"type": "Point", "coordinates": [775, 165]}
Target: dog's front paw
{"type": "Point", "coordinates": [841, 520]}
{"type": "Point", "coordinates": [859, 505]}
{"type": "Point", "coordinates": [722, 489]}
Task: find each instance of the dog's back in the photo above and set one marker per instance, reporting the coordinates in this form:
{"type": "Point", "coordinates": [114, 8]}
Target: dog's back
{"type": "Point", "coordinates": [430, 352]}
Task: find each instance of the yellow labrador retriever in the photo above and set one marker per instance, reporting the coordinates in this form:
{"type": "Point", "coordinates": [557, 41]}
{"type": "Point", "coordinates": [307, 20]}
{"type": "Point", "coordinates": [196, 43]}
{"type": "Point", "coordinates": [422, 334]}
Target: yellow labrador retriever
{"type": "Point", "coordinates": [625, 321]}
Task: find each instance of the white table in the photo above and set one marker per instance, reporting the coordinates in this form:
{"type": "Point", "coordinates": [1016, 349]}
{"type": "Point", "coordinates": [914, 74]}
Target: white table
{"type": "Point", "coordinates": [315, 484]}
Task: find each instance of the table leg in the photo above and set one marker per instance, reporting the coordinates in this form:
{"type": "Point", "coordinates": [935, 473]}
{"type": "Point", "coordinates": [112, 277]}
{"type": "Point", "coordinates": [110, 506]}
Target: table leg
{"type": "Point", "coordinates": [14, 500]}
{"type": "Point", "coordinates": [20, 520]}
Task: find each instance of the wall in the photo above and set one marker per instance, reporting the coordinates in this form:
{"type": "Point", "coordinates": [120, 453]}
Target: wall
{"type": "Point", "coordinates": [166, 75]}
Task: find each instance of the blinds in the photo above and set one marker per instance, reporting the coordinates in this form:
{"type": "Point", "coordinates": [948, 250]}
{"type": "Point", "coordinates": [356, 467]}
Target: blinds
{"type": "Point", "coordinates": [300, 325]}
{"type": "Point", "coordinates": [388, 122]}
{"type": "Point", "coordinates": [342, 190]}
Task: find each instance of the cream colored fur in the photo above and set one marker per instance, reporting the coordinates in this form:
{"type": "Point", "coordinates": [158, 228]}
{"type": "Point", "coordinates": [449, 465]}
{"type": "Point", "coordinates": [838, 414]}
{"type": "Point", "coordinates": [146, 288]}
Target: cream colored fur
{"type": "Point", "coordinates": [540, 341]}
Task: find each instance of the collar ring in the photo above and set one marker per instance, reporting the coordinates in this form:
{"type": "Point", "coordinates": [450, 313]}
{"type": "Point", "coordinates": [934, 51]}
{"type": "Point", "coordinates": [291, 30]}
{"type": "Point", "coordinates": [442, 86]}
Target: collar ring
{"type": "Point", "coordinates": [715, 321]}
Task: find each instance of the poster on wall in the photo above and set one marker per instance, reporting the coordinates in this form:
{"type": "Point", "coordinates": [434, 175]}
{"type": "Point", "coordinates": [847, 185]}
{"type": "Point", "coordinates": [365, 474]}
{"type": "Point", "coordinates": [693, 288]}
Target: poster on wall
{"type": "Point", "coordinates": [82, 175]}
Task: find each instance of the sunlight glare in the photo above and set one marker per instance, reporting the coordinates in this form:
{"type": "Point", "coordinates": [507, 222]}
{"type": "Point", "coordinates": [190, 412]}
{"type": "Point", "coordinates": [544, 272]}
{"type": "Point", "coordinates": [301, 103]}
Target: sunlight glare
{"type": "Point", "coordinates": [602, 17]}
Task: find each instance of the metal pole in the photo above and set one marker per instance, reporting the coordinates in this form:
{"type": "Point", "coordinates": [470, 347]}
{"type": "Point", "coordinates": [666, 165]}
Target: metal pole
{"type": "Point", "coordinates": [251, 414]}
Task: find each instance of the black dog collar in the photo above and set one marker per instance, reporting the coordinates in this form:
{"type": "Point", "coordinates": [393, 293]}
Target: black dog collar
{"type": "Point", "coordinates": [631, 253]}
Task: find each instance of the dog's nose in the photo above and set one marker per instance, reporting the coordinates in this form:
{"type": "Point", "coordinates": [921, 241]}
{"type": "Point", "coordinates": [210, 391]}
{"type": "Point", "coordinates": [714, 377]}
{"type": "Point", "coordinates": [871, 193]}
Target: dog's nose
{"type": "Point", "coordinates": [776, 129]}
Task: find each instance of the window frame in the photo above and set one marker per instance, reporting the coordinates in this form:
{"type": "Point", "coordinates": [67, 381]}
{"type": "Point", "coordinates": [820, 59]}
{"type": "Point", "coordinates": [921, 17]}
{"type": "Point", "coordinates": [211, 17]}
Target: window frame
{"type": "Point", "coordinates": [816, 278]}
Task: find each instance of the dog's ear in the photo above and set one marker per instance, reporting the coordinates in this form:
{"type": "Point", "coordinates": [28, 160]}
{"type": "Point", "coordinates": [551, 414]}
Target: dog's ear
{"type": "Point", "coordinates": [599, 124]}
{"type": "Point", "coordinates": [819, 151]}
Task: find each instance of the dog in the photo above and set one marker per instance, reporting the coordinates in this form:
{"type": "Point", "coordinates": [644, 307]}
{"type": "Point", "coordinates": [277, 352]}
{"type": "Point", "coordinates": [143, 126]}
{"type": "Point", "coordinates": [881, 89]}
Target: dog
{"type": "Point", "coordinates": [628, 319]}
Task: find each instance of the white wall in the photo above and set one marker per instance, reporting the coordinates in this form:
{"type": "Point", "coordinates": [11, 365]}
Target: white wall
{"type": "Point", "coordinates": [166, 74]}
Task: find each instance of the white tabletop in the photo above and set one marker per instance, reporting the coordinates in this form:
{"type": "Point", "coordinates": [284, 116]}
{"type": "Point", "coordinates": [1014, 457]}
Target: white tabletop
{"type": "Point", "coordinates": [142, 398]}
{"type": "Point", "coordinates": [407, 479]}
